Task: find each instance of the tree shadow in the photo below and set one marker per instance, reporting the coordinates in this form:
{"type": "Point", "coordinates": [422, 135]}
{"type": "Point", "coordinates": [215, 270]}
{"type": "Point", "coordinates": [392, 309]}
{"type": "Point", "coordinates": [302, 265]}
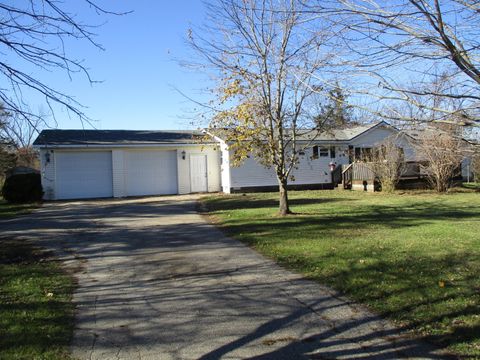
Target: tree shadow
{"type": "Point", "coordinates": [252, 202]}
{"type": "Point", "coordinates": [157, 278]}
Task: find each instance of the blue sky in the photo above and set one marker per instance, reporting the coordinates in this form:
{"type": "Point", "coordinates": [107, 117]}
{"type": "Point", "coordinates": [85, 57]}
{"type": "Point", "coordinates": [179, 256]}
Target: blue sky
{"type": "Point", "coordinates": [138, 69]}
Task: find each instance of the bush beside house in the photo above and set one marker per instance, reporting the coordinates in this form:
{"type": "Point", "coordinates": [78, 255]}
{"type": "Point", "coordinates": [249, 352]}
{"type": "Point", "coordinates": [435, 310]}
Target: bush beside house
{"type": "Point", "coordinates": [22, 188]}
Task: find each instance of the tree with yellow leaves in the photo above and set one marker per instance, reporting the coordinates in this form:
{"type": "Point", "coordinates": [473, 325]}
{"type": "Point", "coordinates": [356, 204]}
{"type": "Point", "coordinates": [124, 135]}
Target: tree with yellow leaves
{"type": "Point", "coordinates": [267, 56]}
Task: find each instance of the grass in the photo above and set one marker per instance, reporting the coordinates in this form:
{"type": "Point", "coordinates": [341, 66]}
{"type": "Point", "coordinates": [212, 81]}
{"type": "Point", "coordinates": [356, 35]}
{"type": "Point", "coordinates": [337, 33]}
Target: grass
{"type": "Point", "coordinates": [36, 312]}
{"type": "Point", "coordinates": [472, 185]}
{"type": "Point", "coordinates": [10, 210]}
{"type": "Point", "coordinates": [411, 257]}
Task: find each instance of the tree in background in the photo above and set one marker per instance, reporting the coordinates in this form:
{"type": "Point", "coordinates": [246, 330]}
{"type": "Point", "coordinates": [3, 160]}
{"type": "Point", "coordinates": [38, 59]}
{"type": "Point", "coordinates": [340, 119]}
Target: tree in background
{"type": "Point", "coordinates": [8, 160]}
{"type": "Point", "coordinates": [7, 152]}
{"type": "Point", "coordinates": [336, 112]}
{"type": "Point", "coordinates": [442, 150]}
{"type": "Point", "coordinates": [264, 55]}
{"type": "Point", "coordinates": [17, 136]}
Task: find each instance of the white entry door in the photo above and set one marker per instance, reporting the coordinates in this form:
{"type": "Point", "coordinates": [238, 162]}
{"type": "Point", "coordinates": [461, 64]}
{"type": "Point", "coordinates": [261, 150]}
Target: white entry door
{"type": "Point", "coordinates": [198, 173]}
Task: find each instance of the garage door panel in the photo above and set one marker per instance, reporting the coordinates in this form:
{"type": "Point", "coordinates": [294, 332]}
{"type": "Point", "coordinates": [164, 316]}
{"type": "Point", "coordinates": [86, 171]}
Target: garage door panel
{"type": "Point", "coordinates": [151, 172]}
{"type": "Point", "coordinates": [83, 174]}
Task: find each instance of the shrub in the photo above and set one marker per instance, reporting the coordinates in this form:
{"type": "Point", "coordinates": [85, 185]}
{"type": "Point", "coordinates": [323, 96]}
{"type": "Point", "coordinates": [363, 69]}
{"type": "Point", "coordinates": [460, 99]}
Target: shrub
{"type": "Point", "coordinates": [388, 163]}
{"type": "Point", "coordinates": [23, 188]}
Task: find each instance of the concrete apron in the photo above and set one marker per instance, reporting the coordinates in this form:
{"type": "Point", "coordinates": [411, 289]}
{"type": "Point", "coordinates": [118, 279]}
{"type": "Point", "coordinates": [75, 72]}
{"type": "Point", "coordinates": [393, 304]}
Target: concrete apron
{"type": "Point", "coordinates": [156, 281]}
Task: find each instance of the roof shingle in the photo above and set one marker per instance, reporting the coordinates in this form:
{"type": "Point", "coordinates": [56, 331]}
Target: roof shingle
{"type": "Point", "coordinates": [116, 137]}
{"type": "Point", "coordinates": [153, 137]}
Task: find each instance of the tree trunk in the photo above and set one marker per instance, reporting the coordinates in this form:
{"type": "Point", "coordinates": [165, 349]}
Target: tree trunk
{"type": "Point", "coordinates": [284, 208]}
{"type": "Point", "coordinates": [442, 187]}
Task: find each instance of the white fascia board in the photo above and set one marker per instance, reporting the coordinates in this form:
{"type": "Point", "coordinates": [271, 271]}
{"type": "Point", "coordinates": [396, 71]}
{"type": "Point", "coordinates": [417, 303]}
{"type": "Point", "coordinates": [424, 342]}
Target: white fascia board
{"type": "Point", "coordinates": [101, 146]}
{"type": "Point", "coordinates": [221, 141]}
{"type": "Point", "coordinates": [326, 142]}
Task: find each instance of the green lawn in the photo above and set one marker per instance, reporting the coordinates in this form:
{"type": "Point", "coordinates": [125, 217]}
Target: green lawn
{"type": "Point", "coordinates": [412, 257]}
{"type": "Point", "coordinates": [36, 312]}
{"type": "Point", "coordinates": [9, 210]}
{"type": "Point", "coordinates": [472, 185]}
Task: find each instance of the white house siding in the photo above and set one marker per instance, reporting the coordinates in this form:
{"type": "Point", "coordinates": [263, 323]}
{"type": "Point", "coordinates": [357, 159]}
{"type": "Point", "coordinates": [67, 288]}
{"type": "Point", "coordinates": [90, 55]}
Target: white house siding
{"type": "Point", "coordinates": [376, 135]}
{"type": "Point", "coordinates": [118, 169]}
{"type": "Point", "coordinates": [341, 155]}
{"type": "Point", "coordinates": [225, 172]}
{"type": "Point", "coordinates": [372, 137]}
{"type": "Point", "coordinates": [213, 167]}
{"type": "Point", "coordinates": [312, 171]}
{"type": "Point", "coordinates": [252, 174]}
{"type": "Point", "coordinates": [47, 170]}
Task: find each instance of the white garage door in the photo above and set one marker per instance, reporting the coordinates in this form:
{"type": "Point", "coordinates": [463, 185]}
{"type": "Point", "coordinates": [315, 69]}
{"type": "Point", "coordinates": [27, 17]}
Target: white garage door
{"type": "Point", "coordinates": [151, 172]}
{"type": "Point", "coordinates": [83, 174]}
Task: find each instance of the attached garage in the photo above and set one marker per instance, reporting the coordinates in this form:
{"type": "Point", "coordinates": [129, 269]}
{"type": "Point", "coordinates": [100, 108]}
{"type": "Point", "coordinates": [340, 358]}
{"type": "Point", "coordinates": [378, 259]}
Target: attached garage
{"type": "Point", "coordinates": [150, 173]}
{"type": "Point", "coordinates": [79, 164]}
{"type": "Point", "coordinates": [85, 174]}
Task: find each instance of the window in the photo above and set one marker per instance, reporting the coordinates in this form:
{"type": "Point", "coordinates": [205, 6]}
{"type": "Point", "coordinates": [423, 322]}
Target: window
{"type": "Point", "coordinates": [323, 151]}
{"type": "Point", "coordinates": [358, 153]}
{"type": "Point", "coordinates": [367, 154]}
{"type": "Point", "coordinates": [319, 152]}
{"type": "Point", "coordinates": [363, 154]}
{"type": "Point", "coordinates": [332, 152]}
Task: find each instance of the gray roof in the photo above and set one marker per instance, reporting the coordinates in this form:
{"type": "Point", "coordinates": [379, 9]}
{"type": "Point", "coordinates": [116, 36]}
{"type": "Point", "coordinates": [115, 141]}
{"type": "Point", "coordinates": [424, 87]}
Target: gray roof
{"type": "Point", "coordinates": [116, 137]}
{"type": "Point", "coordinates": [346, 134]}
{"type": "Point", "coordinates": [153, 137]}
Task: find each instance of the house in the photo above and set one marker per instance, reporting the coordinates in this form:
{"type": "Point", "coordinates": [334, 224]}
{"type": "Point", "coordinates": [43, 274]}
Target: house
{"type": "Point", "coordinates": [338, 147]}
{"type": "Point", "coordinates": [118, 163]}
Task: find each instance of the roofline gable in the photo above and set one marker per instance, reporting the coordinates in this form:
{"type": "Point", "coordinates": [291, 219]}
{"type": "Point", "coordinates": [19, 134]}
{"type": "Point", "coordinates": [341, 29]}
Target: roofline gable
{"type": "Point", "coordinates": [372, 126]}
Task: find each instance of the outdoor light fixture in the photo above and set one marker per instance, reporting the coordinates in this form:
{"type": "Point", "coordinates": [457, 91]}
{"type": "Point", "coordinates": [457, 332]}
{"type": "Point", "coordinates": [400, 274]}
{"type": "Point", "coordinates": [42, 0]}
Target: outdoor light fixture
{"type": "Point", "coordinates": [183, 154]}
{"type": "Point", "coordinates": [47, 157]}
{"type": "Point", "coordinates": [332, 165]}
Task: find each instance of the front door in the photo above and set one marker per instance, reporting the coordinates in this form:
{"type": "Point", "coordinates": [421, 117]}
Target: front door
{"type": "Point", "coordinates": [198, 173]}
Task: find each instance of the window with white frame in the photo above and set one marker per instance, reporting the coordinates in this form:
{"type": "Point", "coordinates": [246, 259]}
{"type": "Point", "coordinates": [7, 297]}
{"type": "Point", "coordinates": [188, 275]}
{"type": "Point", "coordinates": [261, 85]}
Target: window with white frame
{"type": "Point", "coordinates": [323, 152]}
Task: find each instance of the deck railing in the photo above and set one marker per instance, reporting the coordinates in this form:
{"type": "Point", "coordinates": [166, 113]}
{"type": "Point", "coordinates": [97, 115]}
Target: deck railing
{"type": "Point", "coordinates": [347, 176]}
{"type": "Point", "coordinates": [362, 172]}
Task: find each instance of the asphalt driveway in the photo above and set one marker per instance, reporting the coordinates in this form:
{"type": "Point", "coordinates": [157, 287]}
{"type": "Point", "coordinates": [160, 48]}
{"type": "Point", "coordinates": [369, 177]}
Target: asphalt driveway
{"type": "Point", "coordinates": [156, 281]}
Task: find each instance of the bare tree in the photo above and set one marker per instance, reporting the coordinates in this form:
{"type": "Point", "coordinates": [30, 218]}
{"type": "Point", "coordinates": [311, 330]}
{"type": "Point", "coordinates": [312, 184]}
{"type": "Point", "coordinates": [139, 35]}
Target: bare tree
{"type": "Point", "coordinates": [7, 160]}
{"type": "Point", "coordinates": [264, 55]}
{"type": "Point", "coordinates": [16, 137]}
{"type": "Point", "coordinates": [21, 133]}
{"type": "Point", "coordinates": [7, 152]}
{"type": "Point", "coordinates": [393, 42]}
{"type": "Point", "coordinates": [441, 150]}
{"type": "Point", "coordinates": [388, 163]}
{"type": "Point", "coordinates": [35, 34]}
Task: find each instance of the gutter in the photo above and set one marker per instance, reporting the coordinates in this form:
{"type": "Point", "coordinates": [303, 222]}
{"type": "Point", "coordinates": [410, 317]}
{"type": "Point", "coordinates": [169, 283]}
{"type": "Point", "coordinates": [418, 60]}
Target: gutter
{"type": "Point", "coordinates": [116, 146]}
